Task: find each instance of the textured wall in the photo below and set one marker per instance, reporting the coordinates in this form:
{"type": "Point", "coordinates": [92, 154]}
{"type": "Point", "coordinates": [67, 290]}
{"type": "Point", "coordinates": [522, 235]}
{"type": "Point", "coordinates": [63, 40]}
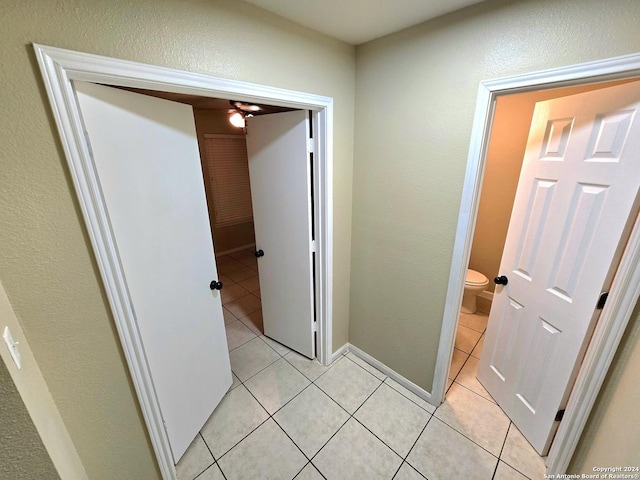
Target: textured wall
{"type": "Point", "coordinates": [611, 436]}
{"type": "Point", "coordinates": [46, 263]}
{"type": "Point", "coordinates": [22, 454]}
{"type": "Point", "coordinates": [415, 100]}
{"type": "Point", "coordinates": [36, 397]}
{"type": "Point", "coordinates": [410, 156]}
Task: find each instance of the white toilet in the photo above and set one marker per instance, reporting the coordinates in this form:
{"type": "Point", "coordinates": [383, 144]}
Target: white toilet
{"type": "Point", "coordinates": [474, 284]}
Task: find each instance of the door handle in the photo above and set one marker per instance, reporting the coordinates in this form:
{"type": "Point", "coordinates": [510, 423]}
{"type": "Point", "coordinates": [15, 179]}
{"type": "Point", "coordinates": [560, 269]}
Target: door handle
{"type": "Point", "coordinates": [259, 253]}
{"type": "Point", "coordinates": [501, 280]}
{"type": "Point", "coordinates": [215, 285]}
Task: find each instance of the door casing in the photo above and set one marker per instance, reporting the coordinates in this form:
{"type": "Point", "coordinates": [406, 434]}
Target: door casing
{"type": "Point", "coordinates": [625, 289]}
{"type": "Point", "coordinates": [59, 68]}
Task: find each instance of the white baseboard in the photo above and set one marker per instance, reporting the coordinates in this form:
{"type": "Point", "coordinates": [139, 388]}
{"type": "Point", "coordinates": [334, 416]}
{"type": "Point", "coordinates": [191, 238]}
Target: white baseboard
{"type": "Point", "coordinates": [391, 374]}
{"type": "Point", "coordinates": [341, 351]}
{"type": "Point", "coordinates": [486, 295]}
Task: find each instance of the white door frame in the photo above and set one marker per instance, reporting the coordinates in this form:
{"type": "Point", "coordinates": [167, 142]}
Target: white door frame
{"type": "Point", "coordinates": [59, 69]}
{"type": "Point", "coordinates": [624, 290]}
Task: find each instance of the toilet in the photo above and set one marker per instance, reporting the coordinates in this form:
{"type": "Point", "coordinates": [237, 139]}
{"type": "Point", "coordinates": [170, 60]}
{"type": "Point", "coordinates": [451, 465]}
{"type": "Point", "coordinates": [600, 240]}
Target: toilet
{"type": "Point", "coordinates": [474, 284]}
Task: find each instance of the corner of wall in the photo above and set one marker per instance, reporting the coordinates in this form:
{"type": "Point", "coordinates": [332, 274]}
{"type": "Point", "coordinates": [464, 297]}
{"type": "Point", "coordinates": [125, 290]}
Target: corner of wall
{"type": "Point", "coordinates": [36, 397]}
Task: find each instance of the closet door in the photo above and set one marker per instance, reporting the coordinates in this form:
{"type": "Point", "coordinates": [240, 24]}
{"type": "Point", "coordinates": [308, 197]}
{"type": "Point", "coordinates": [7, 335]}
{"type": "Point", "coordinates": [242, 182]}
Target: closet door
{"type": "Point", "coordinates": [280, 173]}
{"type": "Point", "coordinates": [146, 157]}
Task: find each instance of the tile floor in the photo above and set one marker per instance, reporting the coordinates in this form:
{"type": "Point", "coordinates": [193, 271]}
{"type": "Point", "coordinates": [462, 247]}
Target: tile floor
{"type": "Point", "coordinates": [287, 417]}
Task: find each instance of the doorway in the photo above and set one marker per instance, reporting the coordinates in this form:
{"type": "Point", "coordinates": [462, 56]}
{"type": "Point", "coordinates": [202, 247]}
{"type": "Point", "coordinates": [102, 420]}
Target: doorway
{"type": "Point", "coordinates": [612, 321]}
{"type": "Point", "coordinates": [259, 187]}
{"type": "Point", "coordinates": [59, 69]}
{"type": "Point", "coordinates": [505, 153]}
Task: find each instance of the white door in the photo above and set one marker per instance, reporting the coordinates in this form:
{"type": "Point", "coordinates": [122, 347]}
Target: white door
{"type": "Point", "coordinates": [280, 174]}
{"type": "Point", "coordinates": [575, 202]}
{"type": "Point", "coordinates": [146, 156]}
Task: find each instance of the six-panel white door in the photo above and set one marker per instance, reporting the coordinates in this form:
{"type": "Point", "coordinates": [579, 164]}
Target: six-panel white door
{"type": "Point", "coordinates": [576, 200]}
{"type": "Point", "coordinates": [280, 174]}
{"type": "Point", "coordinates": [148, 165]}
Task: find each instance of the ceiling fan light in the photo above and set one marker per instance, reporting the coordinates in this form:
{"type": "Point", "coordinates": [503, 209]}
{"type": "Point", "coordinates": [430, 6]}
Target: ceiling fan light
{"type": "Point", "coordinates": [237, 120]}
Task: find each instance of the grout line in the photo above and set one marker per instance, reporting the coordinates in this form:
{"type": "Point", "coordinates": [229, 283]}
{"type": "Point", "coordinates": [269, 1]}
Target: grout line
{"type": "Point", "coordinates": [404, 460]}
{"type": "Point", "coordinates": [511, 424]}
{"type": "Point", "coordinates": [493, 402]}
{"type": "Point", "coordinates": [495, 470]}
{"type": "Point", "coordinates": [317, 470]}
{"type": "Point", "coordinates": [332, 399]}
{"type": "Point", "coordinates": [461, 366]}
{"type": "Point", "coordinates": [207, 445]}
{"type": "Point", "coordinates": [246, 341]}
{"type": "Point", "coordinates": [244, 438]}
{"type": "Point", "coordinates": [408, 398]}
{"type": "Point", "coordinates": [312, 381]}
{"type": "Point", "coordinates": [211, 466]}
{"type": "Point", "coordinates": [292, 441]}
{"type": "Point", "coordinates": [350, 416]}
{"type": "Point", "coordinates": [304, 466]}
{"type": "Point", "coordinates": [365, 401]}
{"type": "Point", "coordinates": [353, 417]}
{"type": "Point", "coordinates": [381, 440]}
{"type": "Point", "coordinates": [221, 471]}
{"type": "Point", "coordinates": [271, 416]}
{"type": "Point", "coordinates": [411, 467]}
{"type": "Point", "coordinates": [264, 368]}
{"type": "Point", "coordinates": [465, 436]}
{"type": "Point", "coordinates": [363, 368]}
{"type": "Point", "coordinates": [329, 439]}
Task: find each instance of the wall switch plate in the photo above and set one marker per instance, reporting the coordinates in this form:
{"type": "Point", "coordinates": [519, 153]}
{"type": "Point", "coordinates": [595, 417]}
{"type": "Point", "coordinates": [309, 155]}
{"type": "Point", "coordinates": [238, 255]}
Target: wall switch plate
{"type": "Point", "coordinates": [13, 346]}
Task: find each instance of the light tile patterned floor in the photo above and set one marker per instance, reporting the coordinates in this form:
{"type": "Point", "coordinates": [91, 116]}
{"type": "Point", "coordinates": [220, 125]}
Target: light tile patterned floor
{"type": "Point", "coordinates": [287, 417]}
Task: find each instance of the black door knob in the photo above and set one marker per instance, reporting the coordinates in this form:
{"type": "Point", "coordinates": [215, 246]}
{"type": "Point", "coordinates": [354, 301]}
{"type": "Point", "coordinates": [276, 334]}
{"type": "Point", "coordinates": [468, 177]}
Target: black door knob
{"type": "Point", "coordinates": [501, 280]}
{"type": "Point", "coordinates": [259, 253]}
{"type": "Point", "coordinates": [215, 285]}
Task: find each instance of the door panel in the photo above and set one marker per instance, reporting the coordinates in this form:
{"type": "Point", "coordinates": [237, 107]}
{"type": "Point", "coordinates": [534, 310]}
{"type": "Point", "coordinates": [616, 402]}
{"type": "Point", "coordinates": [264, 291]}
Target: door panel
{"type": "Point", "coordinates": [146, 156]}
{"type": "Point", "coordinates": [575, 203]}
{"type": "Point", "coordinates": [280, 174]}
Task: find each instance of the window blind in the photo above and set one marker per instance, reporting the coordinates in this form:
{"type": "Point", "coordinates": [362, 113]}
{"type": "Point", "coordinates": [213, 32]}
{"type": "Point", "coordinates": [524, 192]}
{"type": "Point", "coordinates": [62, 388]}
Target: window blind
{"type": "Point", "coordinates": [226, 157]}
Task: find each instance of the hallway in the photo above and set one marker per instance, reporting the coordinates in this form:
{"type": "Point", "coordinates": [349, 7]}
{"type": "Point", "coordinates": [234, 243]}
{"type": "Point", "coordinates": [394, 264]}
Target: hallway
{"type": "Point", "coordinates": [286, 416]}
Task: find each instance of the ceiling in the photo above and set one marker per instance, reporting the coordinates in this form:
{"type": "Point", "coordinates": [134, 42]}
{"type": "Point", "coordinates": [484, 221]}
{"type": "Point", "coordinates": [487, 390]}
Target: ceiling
{"type": "Point", "coordinates": [205, 103]}
{"type": "Point", "coordinates": [358, 21]}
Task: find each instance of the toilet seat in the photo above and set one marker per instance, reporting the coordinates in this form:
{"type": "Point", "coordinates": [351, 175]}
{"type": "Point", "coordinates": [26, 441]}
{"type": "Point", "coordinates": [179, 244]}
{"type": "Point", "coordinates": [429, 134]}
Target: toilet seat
{"type": "Point", "coordinates": [475, 278]}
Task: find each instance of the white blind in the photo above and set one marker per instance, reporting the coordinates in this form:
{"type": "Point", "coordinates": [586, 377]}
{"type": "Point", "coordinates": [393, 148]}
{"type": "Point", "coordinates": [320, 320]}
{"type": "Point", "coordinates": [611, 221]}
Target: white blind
{"type": "Point", "coordinates": [226, 157]}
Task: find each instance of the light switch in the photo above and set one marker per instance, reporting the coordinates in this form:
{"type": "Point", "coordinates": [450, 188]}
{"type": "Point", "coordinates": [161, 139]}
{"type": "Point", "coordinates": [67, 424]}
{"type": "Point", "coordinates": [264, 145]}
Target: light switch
{"type": "Point", "coordinates": [12, 345]}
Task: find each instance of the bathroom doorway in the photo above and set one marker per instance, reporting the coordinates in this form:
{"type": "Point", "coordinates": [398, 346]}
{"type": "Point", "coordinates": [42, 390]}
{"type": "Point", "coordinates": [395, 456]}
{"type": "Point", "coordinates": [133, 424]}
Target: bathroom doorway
{"type": "Point", "coordinates": [504, 156]}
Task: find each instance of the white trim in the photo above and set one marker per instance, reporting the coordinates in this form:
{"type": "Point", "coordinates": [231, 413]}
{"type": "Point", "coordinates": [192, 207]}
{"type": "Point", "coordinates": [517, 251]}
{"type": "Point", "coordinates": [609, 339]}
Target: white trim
{"type": "Point", "coordinates": [343, 350]}
{"type": "Point", "coordinates": [391, 374]}
{"type": "Point", "coordinates": [323, 178]}
{"type": "Point", "coordinates": [59, 69]}
{"type": "Point", "coordinates": [486, 295]}
{"type": "Point", "coordinates": [624, 291]}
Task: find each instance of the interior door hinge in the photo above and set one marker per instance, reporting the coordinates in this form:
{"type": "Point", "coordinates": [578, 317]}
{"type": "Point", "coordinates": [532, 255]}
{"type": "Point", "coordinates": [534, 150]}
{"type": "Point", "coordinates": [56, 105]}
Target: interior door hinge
{"type": "Point", "coordinates": [313, 246]}
{"type": "Point", "coordinates": [315, 325]}
{"type": "Point", "coordinates": [165, 426]}
{"type": "Point", "coordinates": [310, 145]}
{"type": "Point", "coordinates": [602, 300]}
{"type": "Point", "coordinates": [559, 415]}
